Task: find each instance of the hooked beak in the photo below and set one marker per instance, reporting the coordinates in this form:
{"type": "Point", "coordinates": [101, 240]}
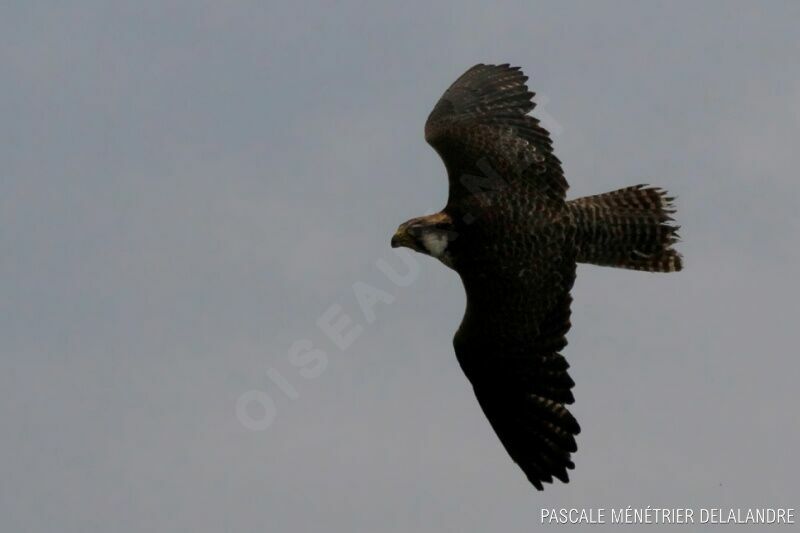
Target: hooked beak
{"type": "Point", "coordinates": [401, 238]}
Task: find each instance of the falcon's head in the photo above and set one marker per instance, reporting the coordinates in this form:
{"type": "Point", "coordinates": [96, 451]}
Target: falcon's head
{"type": "Point", "coordinates": [430, 235]}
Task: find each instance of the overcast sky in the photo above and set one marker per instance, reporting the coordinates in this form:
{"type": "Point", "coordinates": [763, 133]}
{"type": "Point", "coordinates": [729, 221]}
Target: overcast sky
{"type": "Point", "coordinates": [188, 187]}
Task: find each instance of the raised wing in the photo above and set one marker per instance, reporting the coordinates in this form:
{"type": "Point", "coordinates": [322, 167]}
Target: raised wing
{"type": "Point", "coordinates": [508, 346]}
{"type": "Point", "coordinates": [482, 132]}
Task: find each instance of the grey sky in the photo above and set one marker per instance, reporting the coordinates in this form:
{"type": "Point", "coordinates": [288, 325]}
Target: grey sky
{"type": "Point", "coordinates": [185, 187]}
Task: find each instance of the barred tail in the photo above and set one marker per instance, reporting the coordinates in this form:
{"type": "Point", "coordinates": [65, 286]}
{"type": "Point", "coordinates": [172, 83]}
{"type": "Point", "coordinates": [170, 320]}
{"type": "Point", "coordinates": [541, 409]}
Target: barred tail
{"type": "Point", "coordinates": [627, 228]}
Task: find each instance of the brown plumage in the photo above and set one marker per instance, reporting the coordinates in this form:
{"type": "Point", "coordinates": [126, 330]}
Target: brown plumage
{"type": "Point", "coordinates": [510, 234]}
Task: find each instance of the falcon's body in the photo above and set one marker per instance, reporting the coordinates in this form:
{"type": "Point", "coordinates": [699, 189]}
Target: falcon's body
{"type": "Point", "coordinates": [510, 234]}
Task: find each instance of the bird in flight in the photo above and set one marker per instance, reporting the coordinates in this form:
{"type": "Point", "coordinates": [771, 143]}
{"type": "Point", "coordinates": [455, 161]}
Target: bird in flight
{"type": "Point", "coordinates": [515, 241]}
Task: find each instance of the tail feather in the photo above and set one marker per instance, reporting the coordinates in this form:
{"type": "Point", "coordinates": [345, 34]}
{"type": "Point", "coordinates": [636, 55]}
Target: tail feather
{"type": "Point", "coordinates": [627, 228]}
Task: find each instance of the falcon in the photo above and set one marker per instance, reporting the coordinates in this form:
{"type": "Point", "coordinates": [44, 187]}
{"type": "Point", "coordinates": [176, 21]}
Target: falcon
{"type": "Point", "coordinates": [515, 240]}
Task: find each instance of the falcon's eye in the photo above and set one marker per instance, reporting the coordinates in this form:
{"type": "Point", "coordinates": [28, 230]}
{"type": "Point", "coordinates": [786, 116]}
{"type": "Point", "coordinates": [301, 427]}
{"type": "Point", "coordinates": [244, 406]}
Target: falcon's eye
{"type": "Point", "coordinates": [443, 226]}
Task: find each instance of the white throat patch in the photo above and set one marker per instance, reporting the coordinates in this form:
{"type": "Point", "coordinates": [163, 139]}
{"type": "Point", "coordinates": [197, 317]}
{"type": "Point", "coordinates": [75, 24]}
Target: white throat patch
{"type": "Point", "coordinates": [435, 243]}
